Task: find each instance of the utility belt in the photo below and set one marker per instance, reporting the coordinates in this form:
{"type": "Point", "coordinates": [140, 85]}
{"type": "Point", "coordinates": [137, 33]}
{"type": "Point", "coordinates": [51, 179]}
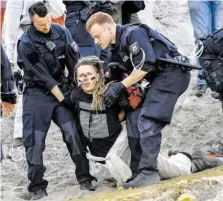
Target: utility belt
{"type": "Point", "coordinates": [29, 84]}
{"type": "Point", "coordinates": [178, 62]}
{"type": "Point", "coordinates": [168, 61]}
{"type": "Point", "coordinates": [22, 85]}
{"type": "Point", "coordinates": [170, 67]}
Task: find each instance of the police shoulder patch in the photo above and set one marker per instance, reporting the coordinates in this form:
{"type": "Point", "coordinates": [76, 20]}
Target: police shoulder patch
{"type": "Point", "coordinates": [75, 46]}
{"type": "Point", "coordinates": [134, 48]}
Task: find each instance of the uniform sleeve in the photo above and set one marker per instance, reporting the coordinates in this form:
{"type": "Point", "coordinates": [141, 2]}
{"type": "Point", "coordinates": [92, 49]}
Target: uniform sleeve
{"type": "Point", "coordinates": [137, 43]}
{"type": "Point", "coordinates": [71, 54]}
{"type": "Point", "coordinates": [72, 100]}
{"type": "Point", "coordinates": [7, 81]}
{"type": "Point", "coordinates": [11, 25]}
{"type": "Point", "coordinates": [33, 63]}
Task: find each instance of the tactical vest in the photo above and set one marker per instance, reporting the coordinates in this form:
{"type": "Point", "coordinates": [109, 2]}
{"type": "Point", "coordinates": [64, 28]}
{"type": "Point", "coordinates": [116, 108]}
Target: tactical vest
{"type": "Point", "coordinates": [211, 60]}
{"type": "Point", "coordinates": [162, 47]}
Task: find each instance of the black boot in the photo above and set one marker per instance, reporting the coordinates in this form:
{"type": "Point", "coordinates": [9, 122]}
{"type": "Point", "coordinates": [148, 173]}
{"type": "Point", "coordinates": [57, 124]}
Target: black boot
{"type": "Point", "coordinates": [218, 150]}
{"type": "Point", "coordinates": [201, 162]}
{"type": "Point", "coordinates": [87, 185]}
{"type": "Point", "coordinates": [144, 178]}
{"type": "Point", "coordinates": [38, 194]}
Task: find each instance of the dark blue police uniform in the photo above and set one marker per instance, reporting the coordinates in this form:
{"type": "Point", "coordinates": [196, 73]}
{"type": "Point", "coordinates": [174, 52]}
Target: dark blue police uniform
{"type": "Point", "coordinates": [7, 81]}
{"type": "Point", "coordinates": [138, 46]}
{"type": "Point", "coordinates": [43, 58]}
{"type": "Point", "coordinates": [77, 27]}
{"type": "Point", "coordinates": [7, 84]}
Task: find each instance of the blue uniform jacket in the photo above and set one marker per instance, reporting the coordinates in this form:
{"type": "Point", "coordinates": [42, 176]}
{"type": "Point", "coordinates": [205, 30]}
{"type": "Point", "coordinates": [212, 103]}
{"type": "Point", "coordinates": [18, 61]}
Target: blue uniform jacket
{"type": "Point", "coordinates": [41, 65]}
{"type": "Point", "coordinates": [132, 39]}
{"type": "Point", "coordinates": [7, 81]}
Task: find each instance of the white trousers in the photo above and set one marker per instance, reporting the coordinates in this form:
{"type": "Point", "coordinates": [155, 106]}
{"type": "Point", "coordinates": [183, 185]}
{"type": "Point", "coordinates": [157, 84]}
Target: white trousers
{"type": "Point", "coordinates": [118, 159]}
{"type": "Point", "coordinates": [176, 165]}
{"type": "Point", "coordinates": [18, 125]}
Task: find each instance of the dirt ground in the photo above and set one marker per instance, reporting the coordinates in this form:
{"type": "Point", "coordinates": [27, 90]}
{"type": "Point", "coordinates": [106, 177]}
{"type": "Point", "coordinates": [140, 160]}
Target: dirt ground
{"type": "Point", "coordinates": [197, 123]}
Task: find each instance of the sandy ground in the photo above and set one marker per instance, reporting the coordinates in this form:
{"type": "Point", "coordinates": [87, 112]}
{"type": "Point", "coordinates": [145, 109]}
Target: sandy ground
{"type": "Point", "coordinates": [197, 123]}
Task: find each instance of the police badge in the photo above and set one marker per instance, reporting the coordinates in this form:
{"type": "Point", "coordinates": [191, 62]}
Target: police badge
{"type": "Point", "coordinates": [134, 48]}
{"type": "Point", "coordinates": [75, 47]}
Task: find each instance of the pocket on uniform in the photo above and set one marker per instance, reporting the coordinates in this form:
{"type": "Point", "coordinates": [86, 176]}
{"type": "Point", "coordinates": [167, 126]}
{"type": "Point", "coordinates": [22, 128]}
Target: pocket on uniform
{"type": "Point", "coordinates": [28, 129]}
{"type": "Point", "coordinates": [159, 104]}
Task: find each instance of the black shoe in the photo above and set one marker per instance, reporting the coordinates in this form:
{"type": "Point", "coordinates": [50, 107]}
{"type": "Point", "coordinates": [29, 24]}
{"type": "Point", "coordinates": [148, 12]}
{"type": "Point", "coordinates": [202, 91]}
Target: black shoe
{"type": "Point", "coordinates": [87, 185]}
{"type": "Point", "coordinates": [201, 162]}
{"type": "Point", "coordinates": [38, 194]}
{"type": "Point", "coordinates": [144, 178]}
{"type": "Point", "coordinates": [111, 182]}
{"type": "Point", "coordinates": [134, 175]}
{"type": "Point", "coordinates": [218, 150]}
{"type": "Point", "coordinates": [201, 90]}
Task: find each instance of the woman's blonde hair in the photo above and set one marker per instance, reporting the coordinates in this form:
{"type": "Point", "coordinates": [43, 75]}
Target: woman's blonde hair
{"type": "Point", "coordinates": [100, 87]}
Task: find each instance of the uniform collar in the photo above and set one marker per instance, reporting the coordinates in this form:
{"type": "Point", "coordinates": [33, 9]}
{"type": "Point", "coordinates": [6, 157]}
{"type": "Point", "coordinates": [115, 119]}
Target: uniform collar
{"type": "Point", "coordinates": [118, 35]}
{"type": "Point", "coordinates": [37, 36]}
{"type": "Point", "coordinates": [119, 31]}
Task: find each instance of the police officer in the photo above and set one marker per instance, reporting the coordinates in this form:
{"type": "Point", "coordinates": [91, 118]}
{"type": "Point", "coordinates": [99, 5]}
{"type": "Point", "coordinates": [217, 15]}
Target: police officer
{"type": "Point", "coordinates": [43, 52]}
{"type": "Point", "coordinates": [137, 48]}
{"type": "Point", "coordinates": [16, 22]}
{"type": "Point", "coordinates": [76, 16]}
{"type": "Point", "coordinates": [8, 95]}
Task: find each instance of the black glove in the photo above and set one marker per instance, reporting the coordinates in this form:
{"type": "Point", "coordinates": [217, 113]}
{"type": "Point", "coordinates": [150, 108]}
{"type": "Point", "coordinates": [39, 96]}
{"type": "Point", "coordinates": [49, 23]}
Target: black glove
{"type": "Point", "coordinates": [112, 93]}
{"type": "Point", "coordinates": [66, 102]}
{"type": "Point", "coordinates": [123, 102]}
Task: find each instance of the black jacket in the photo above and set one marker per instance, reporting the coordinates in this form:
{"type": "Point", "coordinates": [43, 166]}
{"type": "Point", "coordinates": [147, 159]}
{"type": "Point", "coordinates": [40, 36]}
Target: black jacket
{"type": "Point", "coordinates": [100, 128]}
{"type": "Point", "coordinates": [7, 80]}
{"type": "Point", "coordinates": [43, 66]}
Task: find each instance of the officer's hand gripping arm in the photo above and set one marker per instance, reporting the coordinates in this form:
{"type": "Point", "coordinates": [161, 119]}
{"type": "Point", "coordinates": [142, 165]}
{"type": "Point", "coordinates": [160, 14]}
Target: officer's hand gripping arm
{"type": "Point", "coordinates": [112, 93]}
{"type": "Point", "coordinates": [134, 77]}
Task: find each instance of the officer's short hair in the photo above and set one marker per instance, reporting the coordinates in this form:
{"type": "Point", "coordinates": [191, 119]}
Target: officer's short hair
{"type": "Point", "coordinates": [99, 18]}
{"type": "Point", "coordinates": [38, 8]}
